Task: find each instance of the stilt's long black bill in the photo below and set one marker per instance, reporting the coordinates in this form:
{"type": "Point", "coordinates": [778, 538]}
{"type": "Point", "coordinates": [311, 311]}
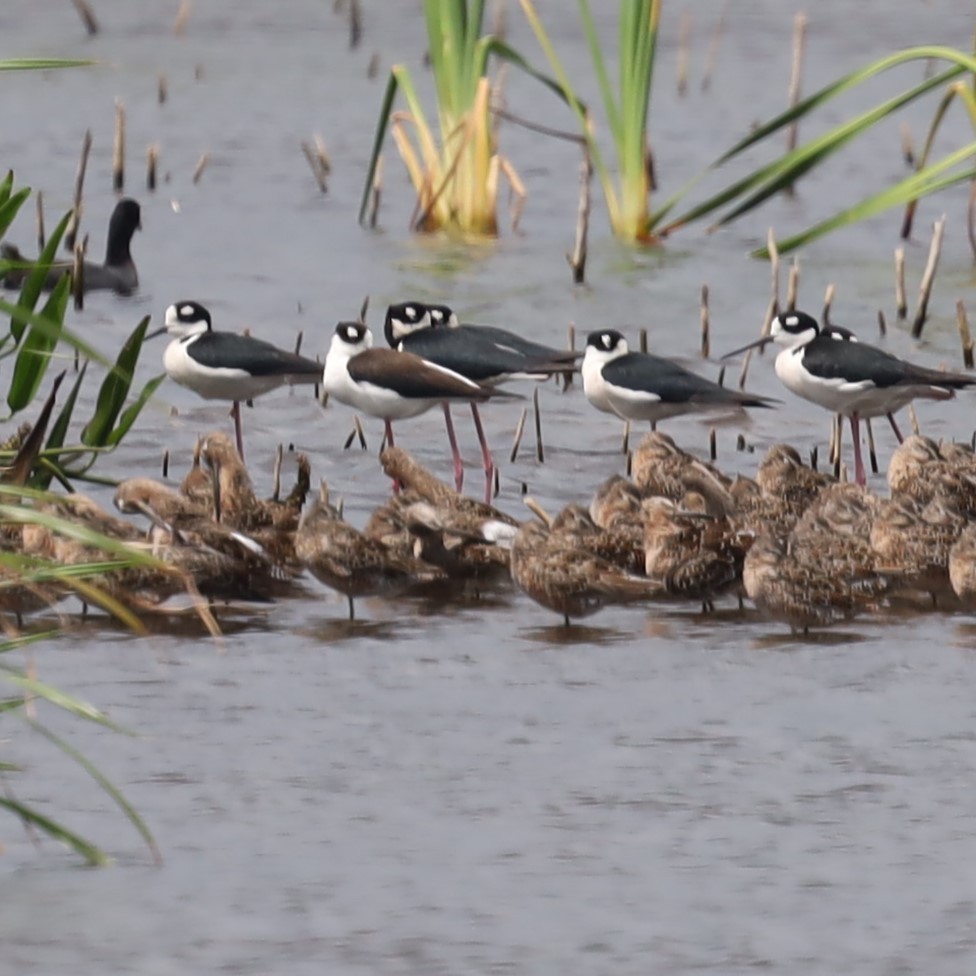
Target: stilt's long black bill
{"type": "Point", "coordinates": [758, 344]}
{"type": "Point", "coordinates": [154, 333]}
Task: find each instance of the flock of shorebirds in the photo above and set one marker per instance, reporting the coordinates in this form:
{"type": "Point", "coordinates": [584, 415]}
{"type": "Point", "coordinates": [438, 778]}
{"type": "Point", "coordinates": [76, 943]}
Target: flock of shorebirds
{"type": "Point", "coordinates": [804, 548]}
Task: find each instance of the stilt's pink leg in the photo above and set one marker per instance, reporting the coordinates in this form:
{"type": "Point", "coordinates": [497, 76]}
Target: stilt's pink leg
{"type": "Point", "coordinates": [489, 461]}
{"type": "Point", "coordinates": [894, 427]}
{"type": "Point", "coordinates": [859, 475]}
{"type": "Point", "coordinates": [455, 453]}
{"type": "Point", "coordinates": [235, 412]}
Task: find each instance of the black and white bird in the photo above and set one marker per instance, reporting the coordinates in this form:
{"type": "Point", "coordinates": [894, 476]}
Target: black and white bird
{"type": "Point", "coordinates": [482, 353]}
{"type": "Point", "coordinates": [117, 274]}
{"type": "Point", "coordinates": [827, 366]}
{"type": "Point", "coordinates": [393, 385]}
{"type": "Point", "coordinates": [225, 365]}
{"type": "Point", "coordinates": [639, 386]}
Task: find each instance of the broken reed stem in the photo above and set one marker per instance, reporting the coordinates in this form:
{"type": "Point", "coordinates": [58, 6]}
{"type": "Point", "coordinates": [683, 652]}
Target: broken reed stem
{"type": "Point", "coordinates": [814, 457]}
{"type": "Point", "coordinates": [642, 340]}
{"type": "Point", "coordinates": [714, 41]}
{"type": "Point", "coordinates": [907, 144]}
{"type": "Point", "coordinates": [971, 218]}
{"type": "Point", "coordinates": [314, 164]}
{"type": "Point", "coordinates": [298, 342]}
{"type": "Point", "coordinates": [796, 74]}
{"type": "Point", "coordinates": [965, 335]}
{"type": "Point", "coordinates": [793, 285]}
{"type": "Point", "coordinates": [539, 449]}
{"type": "Point", "coordinates": [355, 24]}
{"type": "Point", "coordinates": [705, 323]}
{"type": "Point", "coordinates": [773, 267]}
{"type": "Point", "coordinates": [928, 278]}
{"type": "Point", "coordinates": [828, 302]}
{"type": "Point", "coordinates": [78, 274]}
{"type": "Point", "coordinates": [872, 453]}
{"type": "Point", "coordinates": [40, 220]}
{"type": "Point", "coordinates": [568, 375]}
{"type": "Point", "coordinates": [118, 148]}
{"type": "Point", "coordinates": [913, 419]}
{"type": "Point", "coordinates": [684, 47]}
{"type": "Point", "coordinates": [87, 16]}
{"type": "Point", "coordinates": [152, 159]}
{"type": "Point", "coordinates": [166, 463]}
{"type": "Point", "coordinates": [359, 431]}
{"type": "Point", "coordinates": [276, 478]}
{"type": "Point", "coordinates": [712, 444]}
{"type": "Point", "coordinates": [901, 302]}
{"type": "Point", "coordinates": [373, 68]}
{"type": "Point", "coordinates": [72, 232]}
{"type": "Point", "coordinates": [182, 16]}
{"type": "Point", "coordinates": [202, 164]}
{"type": "Point", "coordinates": [882, 323]}
{"type": "Point", "coordinates": [625, 443]}
{"type": "Point", "coordinates": [833, 452]}
{"type": "Point", "coordinates": [375, 194]}
{"type": "Point", "coordinates": [519, 430]}
{"type": "Point", "coordinates": [764, 331]}
{"type": "Point", "coordinates": [162, 90]}
{"type": "Point", "coordinates": [577, 260]}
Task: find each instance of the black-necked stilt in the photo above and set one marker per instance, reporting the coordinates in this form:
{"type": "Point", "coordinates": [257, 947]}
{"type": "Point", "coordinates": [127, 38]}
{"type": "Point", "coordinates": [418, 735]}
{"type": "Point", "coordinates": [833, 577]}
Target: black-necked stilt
{"type": "Point", "coordinates": [639, 386]}
{"type": "Point", "coordinates": [117, 274]}
{"type": "Point", "coordinates": [225, 365]}
{"type": "Point", "coordinates": [392, 385]}
{"type": "Point", "coordinates": [854, 379]}
{"type": "Point", "coordinates": [485, 354]}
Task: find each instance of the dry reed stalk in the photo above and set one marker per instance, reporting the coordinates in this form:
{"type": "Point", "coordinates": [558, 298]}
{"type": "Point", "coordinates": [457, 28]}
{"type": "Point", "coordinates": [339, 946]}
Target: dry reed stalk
{"type": "Point", "coordinates": [166, 463]}
{"type": "Point", "coordinates": [625, 444]}
{"type": "Point", "coordinates": [684, 49]}
{"type": "Point", "coordinates": [836, 435]}
{"type": "Point", "coordinates": [72, 232]}
{"type": "Point", "coordinates": [314, 164]}
{"type": "Point", "coordinates": [577, 260]}
{"type": "Point", "coordinates": [711, 56]}
{"type": "Point", "coordinates": [706, 326]}
{"type": "Point", "coordinates": [793, 285]}
{"type": "Point", "coordinates": [87, 16]}
{"type": "Point", "coordinates": [965, 335]}
{"type": "Point", "coordinates": [355, 24]}
{"type": "Point", "coordinates": [539, 449]}
{"type": "Point", "coordinates": [796, 74]}
{"type": "Point", "coordinates": [814, 457]}
{"type": "Point", "coordinates": [373, 68]}
{"type": "Point", "coordinates": [712, 444]}
{"type": "Point", "coordinates": [642, 340]}
{"type": "Point", "coordinates": [375, 194]}
{"type": "Point", "coordinates": [298, 342]}
{"type": "Point", "coordinates": [276, 477]}
{"type": "Point", "coordinates": [971, 218]}
{"type": "Point", "coordinates": [78, 274]}
{"type": "Point", "coordinates": [118, 148]}
{"type": "Point", "coordinates": [907, 144]}
{"type": "Point", "coordinates": [740, 443]}
{"type": "Point", "coordinates": [152, 159]}
{"type": "Point", "coordinates": [872, 453]}
{"type": "Point", "coordinates": [901, 302]}
{"type": "Point", "coordinates": [828, 302]}
{"type": "Point", "coordinates": [764, 331]}
{"type": "Point", "coordinates": [40, 220]}
{"type": "Point", "coordinates": [913, 419]}
{"type": "Point", "coordinates": [519, 431]}
{"type": "Point", "coordinates": [928, 278]}
{"type": "Point", "coordinates": [162, 90]}
{"type": "Point", "coordinates": [182, 16]}
{"type": "Point", "coordinates": [202, 164]}
{"type": "Point", "coordinates": [882, 323]}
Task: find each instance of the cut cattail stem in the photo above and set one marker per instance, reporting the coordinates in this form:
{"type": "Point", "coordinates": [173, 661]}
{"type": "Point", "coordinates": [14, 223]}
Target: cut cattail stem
{"type": "Point", "coordinates": [78, 274]}
{"type": "Point", "coordinates": [276, 478]}
{"type": "Point", "coordinates": [913, 419]}
{"type": "Point", "coordinates": [567, 377]}
{"type": "Point", "coordinates": [721, 377]}
{"type": "Point", "coordinates": [796, 74]}
{"type": "Point", "coordinates": [118, 148]}
{"type": "Point", "coordinates": [519, 430]}
{"type": "Point", "coordinates": [793, 285]}
{"type": "Point", "coordinates": [322, 155]}
{"type": "Point", "coordinates": [773, 267]}
{"type": "Point", "coordinates": [882, 323]}
{"type": "Point", "coordinates": [814, 457]}
{"type": "Point", "coordinates": [836, 434]}
{"type": "Point", "coordinates": [928, 278]}
{"type": "Point", "coordinates": [363, 309]}
{"type": "Point", "coordinates": [162, 90]}
{"type": "Point", "coordinates": [705, 323]}
{"type": "Point", "coordinates": [317, 171]}
{"type": "Point", "coordinates": [965, 335]}
{"type": "Point", "coordinates": [497, 482]}
{"type": "Point", "coordinates": [355, 24]}
{"type": "Point", "coordinates": [182, 16]}
{"type": "Point", "coordinates": [629, 469]}
{"type": "Point", "coordinates": [577, 260]}
{"type": "Point", "coordinates": [901, 302]}
{"type": "Point", "coordinates": [375, 194]}
{"type": "Point", "coordinates": [166, 463]}
{"type": "Point", "coordinates": [373, 68]}
{"type": "Point", "coordinates": [298, 343]}
{"type": "Point", "coordinates": [711, 56]}
{"type": "Point", "coordinates": [642, 340]}
{"type": "Point", "coordinates": [40, 220]}
{"type": "Point", "coordinates": [684, 46]}
{"type": "Point", "coordinates": [740, 443]}
{"type": "Point", "coordinates": [152, 159]}
{"type": "Point", "coordinates": [828, 301]}
{"type": "Point", "coordinates": [87, 16]}
{"type": "Point", "coordinates": [540, 452]}
{"type": "Point", "coordinates": [202, 164]}
{"type": "Point", "coordinates": [712, 444]}
{"type": "Point", "coordinates": [872, 453]}
{"type": "Point", "coordinates": [71, 233]}
{"type": "Point", "coordinates": [625, 444]}
{"type": "Point", "coordinates": [907, 144]}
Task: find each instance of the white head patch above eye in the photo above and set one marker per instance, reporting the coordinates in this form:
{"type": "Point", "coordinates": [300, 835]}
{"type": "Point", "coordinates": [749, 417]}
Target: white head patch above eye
{"type": "Point", "coordinates": [791, 320]}
{"type": "Point", "coordinates": [607, 340]}
{"type": "Point", "coordinates": [411, 312]}
{"type": "Point", "coordinates": [187, 311]}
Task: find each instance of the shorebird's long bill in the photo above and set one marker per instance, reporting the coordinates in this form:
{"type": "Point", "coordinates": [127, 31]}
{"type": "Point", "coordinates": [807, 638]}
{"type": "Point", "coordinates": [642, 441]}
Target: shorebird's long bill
{"type": "Point", "coordinates": [154, 333]}
{"type": "Point", "coordinates": [757, 344]}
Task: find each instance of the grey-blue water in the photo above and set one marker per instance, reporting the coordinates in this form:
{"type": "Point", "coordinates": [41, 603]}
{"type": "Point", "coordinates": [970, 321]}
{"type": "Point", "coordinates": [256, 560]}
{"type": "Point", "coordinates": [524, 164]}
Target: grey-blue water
{"type": "Point", "coordinates": [469, 788]}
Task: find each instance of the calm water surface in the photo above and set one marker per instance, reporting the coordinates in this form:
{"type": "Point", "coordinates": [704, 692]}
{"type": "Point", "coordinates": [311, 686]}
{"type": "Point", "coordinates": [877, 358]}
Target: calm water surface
{"type": "Point", "coordinates": [466, 788]}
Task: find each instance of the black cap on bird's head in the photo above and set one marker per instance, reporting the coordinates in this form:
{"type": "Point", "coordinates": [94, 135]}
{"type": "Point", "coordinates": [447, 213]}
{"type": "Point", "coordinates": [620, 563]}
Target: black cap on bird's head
{"type": "Point", "coordinates": [606, 342]}
{"type": "Point", "coordinates": [184, 319]}
{"type": "Point", "coordinates": [404, 318]}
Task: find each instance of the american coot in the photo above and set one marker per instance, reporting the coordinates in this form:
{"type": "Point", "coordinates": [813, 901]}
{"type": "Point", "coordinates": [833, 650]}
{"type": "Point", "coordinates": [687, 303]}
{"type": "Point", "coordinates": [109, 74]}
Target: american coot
{"type": "Point", "coordinates": [225, 365]}
{"type": "Point", "coordinates": [118, 273]}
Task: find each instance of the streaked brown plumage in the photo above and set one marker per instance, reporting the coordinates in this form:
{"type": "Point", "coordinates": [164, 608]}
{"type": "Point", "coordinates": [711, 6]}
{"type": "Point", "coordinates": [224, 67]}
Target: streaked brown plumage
{"type": "Point", "coordinates": [622, 545]}
{"type": "Point", "coordinates": [616, 501]}
{"type": "Point", "coordinates": [659, 467]}
{"type": "Point", "coordinates": [962, 565]}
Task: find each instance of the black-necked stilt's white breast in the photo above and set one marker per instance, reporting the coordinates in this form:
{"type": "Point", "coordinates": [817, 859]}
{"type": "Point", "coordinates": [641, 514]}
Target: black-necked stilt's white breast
{"type": "Point", "coordinates": [392, 385]}
{"type": "Point", "coordinates": [639, 386]}
{"type": "Point", "coordinates": [225, 365]}
{"type": "Point", "coordinates": [485, 354]}
{"type": "Point", "coordinates": [829, 367]}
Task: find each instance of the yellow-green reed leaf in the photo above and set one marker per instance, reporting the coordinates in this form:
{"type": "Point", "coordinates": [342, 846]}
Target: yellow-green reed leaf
{"type": "Point", "coordinates": [69, 703]}
{"type": "Point", "coordinates": [34, 282]}
{"type": "Point", "coordinates": [92, 854]}
{"type": "Point", "coordinates": [68, 337]}
{"type": "Point", "coordinates": [34, 355]}
{"type": "Point", "coordinates": [10, 205]}
{"type": "Point", "coordinates": [37, 64]}
{"type": "Point", "coordinates": [131, 412]}
{"type": "Point", "coordinates": [106, 785]}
